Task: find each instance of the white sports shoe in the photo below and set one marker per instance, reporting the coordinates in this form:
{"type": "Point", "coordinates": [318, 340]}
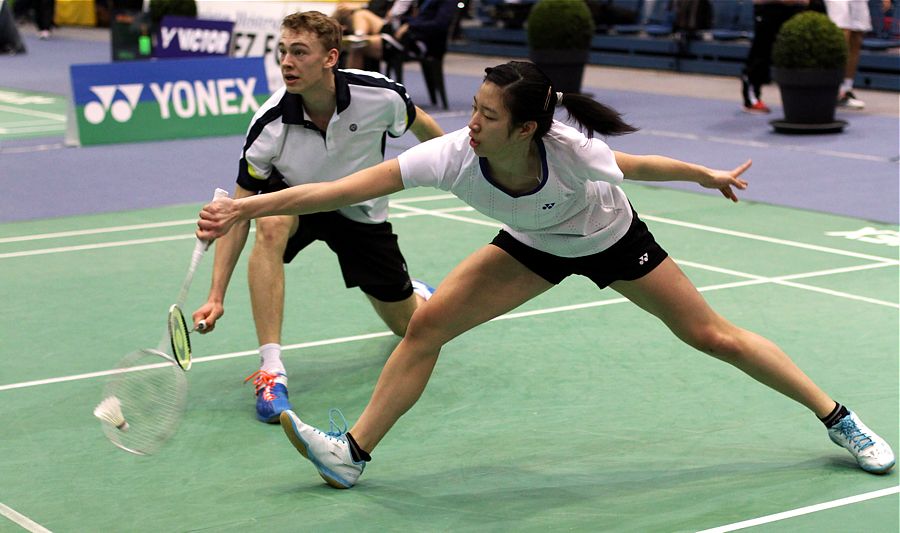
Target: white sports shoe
{"type": "Point", "coordinates": [329, 452]}
{"type": "Point", "coordinates": [871, 451]}
{"type": "Point", "coordinates": [422, 289]}
{"type": "Point", "coordinates": [849, 100]}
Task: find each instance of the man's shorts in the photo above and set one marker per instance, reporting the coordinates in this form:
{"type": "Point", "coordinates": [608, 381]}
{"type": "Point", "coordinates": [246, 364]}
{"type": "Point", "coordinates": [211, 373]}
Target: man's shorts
{"type": "Point", "coordinates": [369, 255]}
{"type": "Point", "coordinates": [630, 258]}
{"type": "Point", "coordinates": [850, 15]}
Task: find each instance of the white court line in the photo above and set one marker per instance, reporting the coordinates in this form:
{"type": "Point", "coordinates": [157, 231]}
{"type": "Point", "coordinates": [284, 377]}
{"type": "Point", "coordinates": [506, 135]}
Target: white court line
{"type": "Point", "coordinates": [400, 204]}
{"type": "Point", "coordinates": [773, 240]}
{"type": "Point", "coordinates": [755, 280]}
{"type": "Point", "coordinates": [760, 144]}
{"type": "Point", "coordinates": [32, 113]}
{"type": "Point", "coordinates": [151, 240]}
{"type": "Point", "coordinates": [96, 231]}
{"type": "Point", "coordinates": [183, 222]}
{"type": "Point", "coordinates": [804, 510]}
{"type": "Point", "coordinates": [785, 280]}
{"type": "Point", "coordinates": [22, 520]}
{"type": "Point", "coordinates": [32, 129]}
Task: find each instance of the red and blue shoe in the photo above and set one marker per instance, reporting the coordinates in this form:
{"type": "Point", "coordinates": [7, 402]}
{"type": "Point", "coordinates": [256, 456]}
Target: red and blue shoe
{"type": "Point", "coordinates": [271, 395]}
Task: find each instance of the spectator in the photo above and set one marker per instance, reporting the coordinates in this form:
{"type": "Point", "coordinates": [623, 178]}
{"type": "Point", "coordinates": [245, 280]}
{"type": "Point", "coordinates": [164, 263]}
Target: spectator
{"type": "Point", "coordinates": [425, 33]}
{"type": "Point", "coordinates": [854, 18]}
{"type": "Point", "coordinates": [43, 14]}
{"type": "Point", "coordinates": [768, 16]}
{"type": "Point", "coordinates": [362, 35]}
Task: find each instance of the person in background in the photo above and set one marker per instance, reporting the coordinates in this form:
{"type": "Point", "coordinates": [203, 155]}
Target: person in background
{"type": "Point", "coordinates": [854, 18]}
{"type": "Point", "coordinates": [768, 16]}
{"type": "Point", "coordinates": [425, 33]}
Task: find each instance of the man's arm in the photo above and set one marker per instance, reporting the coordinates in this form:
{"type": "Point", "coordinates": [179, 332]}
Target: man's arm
{"type": "Point", "coordinates": [228, 250]}
{"type": "Point", "coordinates": [425, 127]}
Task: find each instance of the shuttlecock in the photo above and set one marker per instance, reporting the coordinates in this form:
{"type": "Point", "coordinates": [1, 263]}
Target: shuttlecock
{"type": "Point", "coordinates": [110, 410]}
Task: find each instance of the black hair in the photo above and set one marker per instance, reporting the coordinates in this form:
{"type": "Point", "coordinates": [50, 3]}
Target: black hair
{"type": "Point", "coordinates": [528, 94]}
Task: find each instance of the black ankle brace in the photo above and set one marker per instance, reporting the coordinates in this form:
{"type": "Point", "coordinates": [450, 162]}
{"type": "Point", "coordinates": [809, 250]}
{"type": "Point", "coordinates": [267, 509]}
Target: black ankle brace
{"type": "Point", "coordinates": [835, 415]}
{"type": "Point", "coordinates": [357, 453]}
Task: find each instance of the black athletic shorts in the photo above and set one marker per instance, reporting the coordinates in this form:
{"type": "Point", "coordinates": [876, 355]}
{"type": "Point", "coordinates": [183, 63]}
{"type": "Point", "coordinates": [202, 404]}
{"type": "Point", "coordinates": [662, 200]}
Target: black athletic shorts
{"type": "Point", "coordinates": [631, 257]}
{"type": "Point", "coordinates": [369, 255]}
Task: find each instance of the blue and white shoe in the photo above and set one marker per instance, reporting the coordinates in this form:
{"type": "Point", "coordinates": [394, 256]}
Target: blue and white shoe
{"type": "Point", "coordinates": [328, 452]}
{"type": "Point", "coordinates": [271, 395]}
{"type": "Point", "coordinates": [871, 451]}
{"type": "Point", "coordinates": [422, 289]}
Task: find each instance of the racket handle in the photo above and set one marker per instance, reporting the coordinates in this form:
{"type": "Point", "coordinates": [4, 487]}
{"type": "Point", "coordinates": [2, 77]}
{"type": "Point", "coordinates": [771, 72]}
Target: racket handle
{"type": "Point", "coordinates": [220, 193]}
{"type": "Point", "coordinates": [201, 326]}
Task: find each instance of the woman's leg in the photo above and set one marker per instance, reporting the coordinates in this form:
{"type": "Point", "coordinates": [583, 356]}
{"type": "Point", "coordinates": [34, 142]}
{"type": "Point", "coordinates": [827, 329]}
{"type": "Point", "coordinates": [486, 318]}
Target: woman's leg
{"type": "Point", "coordinates": [668, 294]}
{"type": "Point", "coordinates": [485, 285]}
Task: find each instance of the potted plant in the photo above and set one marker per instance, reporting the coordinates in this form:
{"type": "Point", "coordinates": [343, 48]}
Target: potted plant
{"type": "Point", "coordinates": [559, 39]}
{"type": "Point", "coordinates": [808, 59]}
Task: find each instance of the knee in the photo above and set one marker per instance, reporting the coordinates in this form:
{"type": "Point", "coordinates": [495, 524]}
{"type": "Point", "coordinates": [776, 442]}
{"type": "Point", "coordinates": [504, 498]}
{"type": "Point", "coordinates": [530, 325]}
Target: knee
{"type": "Point", "coordinates": [424, 328]}
{"type": "Point", "coordinates": [720, 341]}
{"type": "Point", "coordinates": [271, 234]}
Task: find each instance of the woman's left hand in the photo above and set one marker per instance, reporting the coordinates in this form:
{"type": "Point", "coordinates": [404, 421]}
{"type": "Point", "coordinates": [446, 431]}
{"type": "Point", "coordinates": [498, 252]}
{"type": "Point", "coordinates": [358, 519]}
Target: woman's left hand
{"type": "Point", "coordinates": [724, 180]}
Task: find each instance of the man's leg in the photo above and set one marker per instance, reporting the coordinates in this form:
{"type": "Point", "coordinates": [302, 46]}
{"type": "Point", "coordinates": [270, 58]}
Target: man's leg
{"type": "Point", "coordinates": [266, 281]}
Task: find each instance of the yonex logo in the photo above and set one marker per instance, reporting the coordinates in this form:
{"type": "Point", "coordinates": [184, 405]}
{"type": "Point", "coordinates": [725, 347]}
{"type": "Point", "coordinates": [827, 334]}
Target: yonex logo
{"type": "Point", "coordinates": [548, 206]}
{"type": "Point", "coordinates": [229, 96]}
{"type": "Point", "coordinates": [121, 110]}
{"type": "Point", "coordinates": [643, 259]}
{"type": "Point", "coordinates": [353, 127]}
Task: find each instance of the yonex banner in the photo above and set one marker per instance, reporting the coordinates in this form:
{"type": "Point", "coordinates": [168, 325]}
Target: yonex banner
{"type": "Point", "coordinates": [192, 37]}
{"type": "Point", "coordinates": [171, 99]}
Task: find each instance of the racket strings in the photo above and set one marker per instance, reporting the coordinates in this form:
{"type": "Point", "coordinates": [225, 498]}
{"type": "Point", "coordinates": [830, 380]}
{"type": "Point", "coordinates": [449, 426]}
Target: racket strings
{"type": "Point", "coordinates": [152, 398]}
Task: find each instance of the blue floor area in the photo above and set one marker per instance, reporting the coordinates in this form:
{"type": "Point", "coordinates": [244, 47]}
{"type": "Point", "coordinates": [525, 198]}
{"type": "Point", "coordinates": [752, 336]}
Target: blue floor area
{"type": "Point", "coordinates": [854, 173]}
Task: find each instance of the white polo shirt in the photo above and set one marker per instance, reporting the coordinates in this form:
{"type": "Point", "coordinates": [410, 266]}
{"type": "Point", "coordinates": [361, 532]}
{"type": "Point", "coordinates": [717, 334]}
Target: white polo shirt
{"type": "Point", "coordinates": [577, 210]}
{"type": "Point", "coordinates": [284, 144]}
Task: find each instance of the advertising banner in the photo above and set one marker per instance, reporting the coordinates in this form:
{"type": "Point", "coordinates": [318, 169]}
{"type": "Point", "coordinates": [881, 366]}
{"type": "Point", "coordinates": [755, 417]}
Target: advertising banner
{"type": "Point", "coordinates": [192, 37]}
{"type": "Point", "coordinates": [172, 99]}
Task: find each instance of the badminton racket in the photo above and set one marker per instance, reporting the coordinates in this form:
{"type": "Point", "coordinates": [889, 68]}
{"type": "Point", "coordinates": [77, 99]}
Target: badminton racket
{"type": "Point", "coordinates": [178, 334]}
{"type": "Point", "coordinates": [146, 395]}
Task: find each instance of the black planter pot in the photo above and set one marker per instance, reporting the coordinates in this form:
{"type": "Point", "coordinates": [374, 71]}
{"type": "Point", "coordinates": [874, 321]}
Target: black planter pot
{"type": "Point", "coordinates": [565, 68]}
{"type": "Point", "coordinates": [809, 98]}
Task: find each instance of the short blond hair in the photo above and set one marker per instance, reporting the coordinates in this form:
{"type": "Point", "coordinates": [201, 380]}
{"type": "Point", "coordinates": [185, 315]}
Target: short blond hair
{"type": "Point", "coordinates": [324, 27]}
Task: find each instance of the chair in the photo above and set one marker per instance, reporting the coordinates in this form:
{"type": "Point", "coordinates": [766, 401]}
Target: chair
{"type": "Point", "coordinates": [732, 20]}
{"type": "Point", "coordinates": [885, 27]}
{"type": "Point", "coordinates": [619, 16]}
{"type": "Point", "coordinates": [660, 18]}
{"type": "Point", "coordinates": [432, 67]}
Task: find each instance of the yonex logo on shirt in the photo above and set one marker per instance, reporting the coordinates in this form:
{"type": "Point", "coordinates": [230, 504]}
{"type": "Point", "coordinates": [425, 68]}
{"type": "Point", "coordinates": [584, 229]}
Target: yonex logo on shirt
{"type": "Point", "coordinates": [548, 206]}
{"type": "Point", "coordinates": [353, 127]}
{"type": "Point", "coordinates": [643, 259]}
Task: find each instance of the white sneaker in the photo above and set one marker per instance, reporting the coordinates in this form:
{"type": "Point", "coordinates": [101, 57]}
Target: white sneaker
{"type": "Point", "coordinates": [849, 100]}
{"type": "Point", "coordinates": [422, 289]}
{"type": "Point", "coordinates": [329, 452]}
{"type": "Point", "coordinates": [871, 451]}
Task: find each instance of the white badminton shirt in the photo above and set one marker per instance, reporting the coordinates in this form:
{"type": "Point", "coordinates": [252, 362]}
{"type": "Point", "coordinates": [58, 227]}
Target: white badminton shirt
{"type": "Point", "coordinates": [577, 210]}
{"type": "Point", "coordinates": [282, 141]}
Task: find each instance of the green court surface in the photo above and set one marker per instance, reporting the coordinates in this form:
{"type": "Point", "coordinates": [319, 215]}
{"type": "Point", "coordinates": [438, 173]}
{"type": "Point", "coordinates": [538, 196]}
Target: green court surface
{"type": "Point", "coordinates": [25, 114]}
{"type": "Point", "coordinates": [575, 412]}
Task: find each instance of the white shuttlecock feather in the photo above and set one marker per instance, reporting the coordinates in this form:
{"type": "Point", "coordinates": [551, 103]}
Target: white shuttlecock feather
{"type": "Point", "coordinates": [110, 410]}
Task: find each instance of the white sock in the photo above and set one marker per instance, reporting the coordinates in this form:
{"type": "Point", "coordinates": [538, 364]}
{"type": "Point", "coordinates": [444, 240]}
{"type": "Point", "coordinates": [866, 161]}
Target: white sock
{"type": "Point", "coordinates": [847, 85]}
{"type": "Point", "coordinates": [270, 358]}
